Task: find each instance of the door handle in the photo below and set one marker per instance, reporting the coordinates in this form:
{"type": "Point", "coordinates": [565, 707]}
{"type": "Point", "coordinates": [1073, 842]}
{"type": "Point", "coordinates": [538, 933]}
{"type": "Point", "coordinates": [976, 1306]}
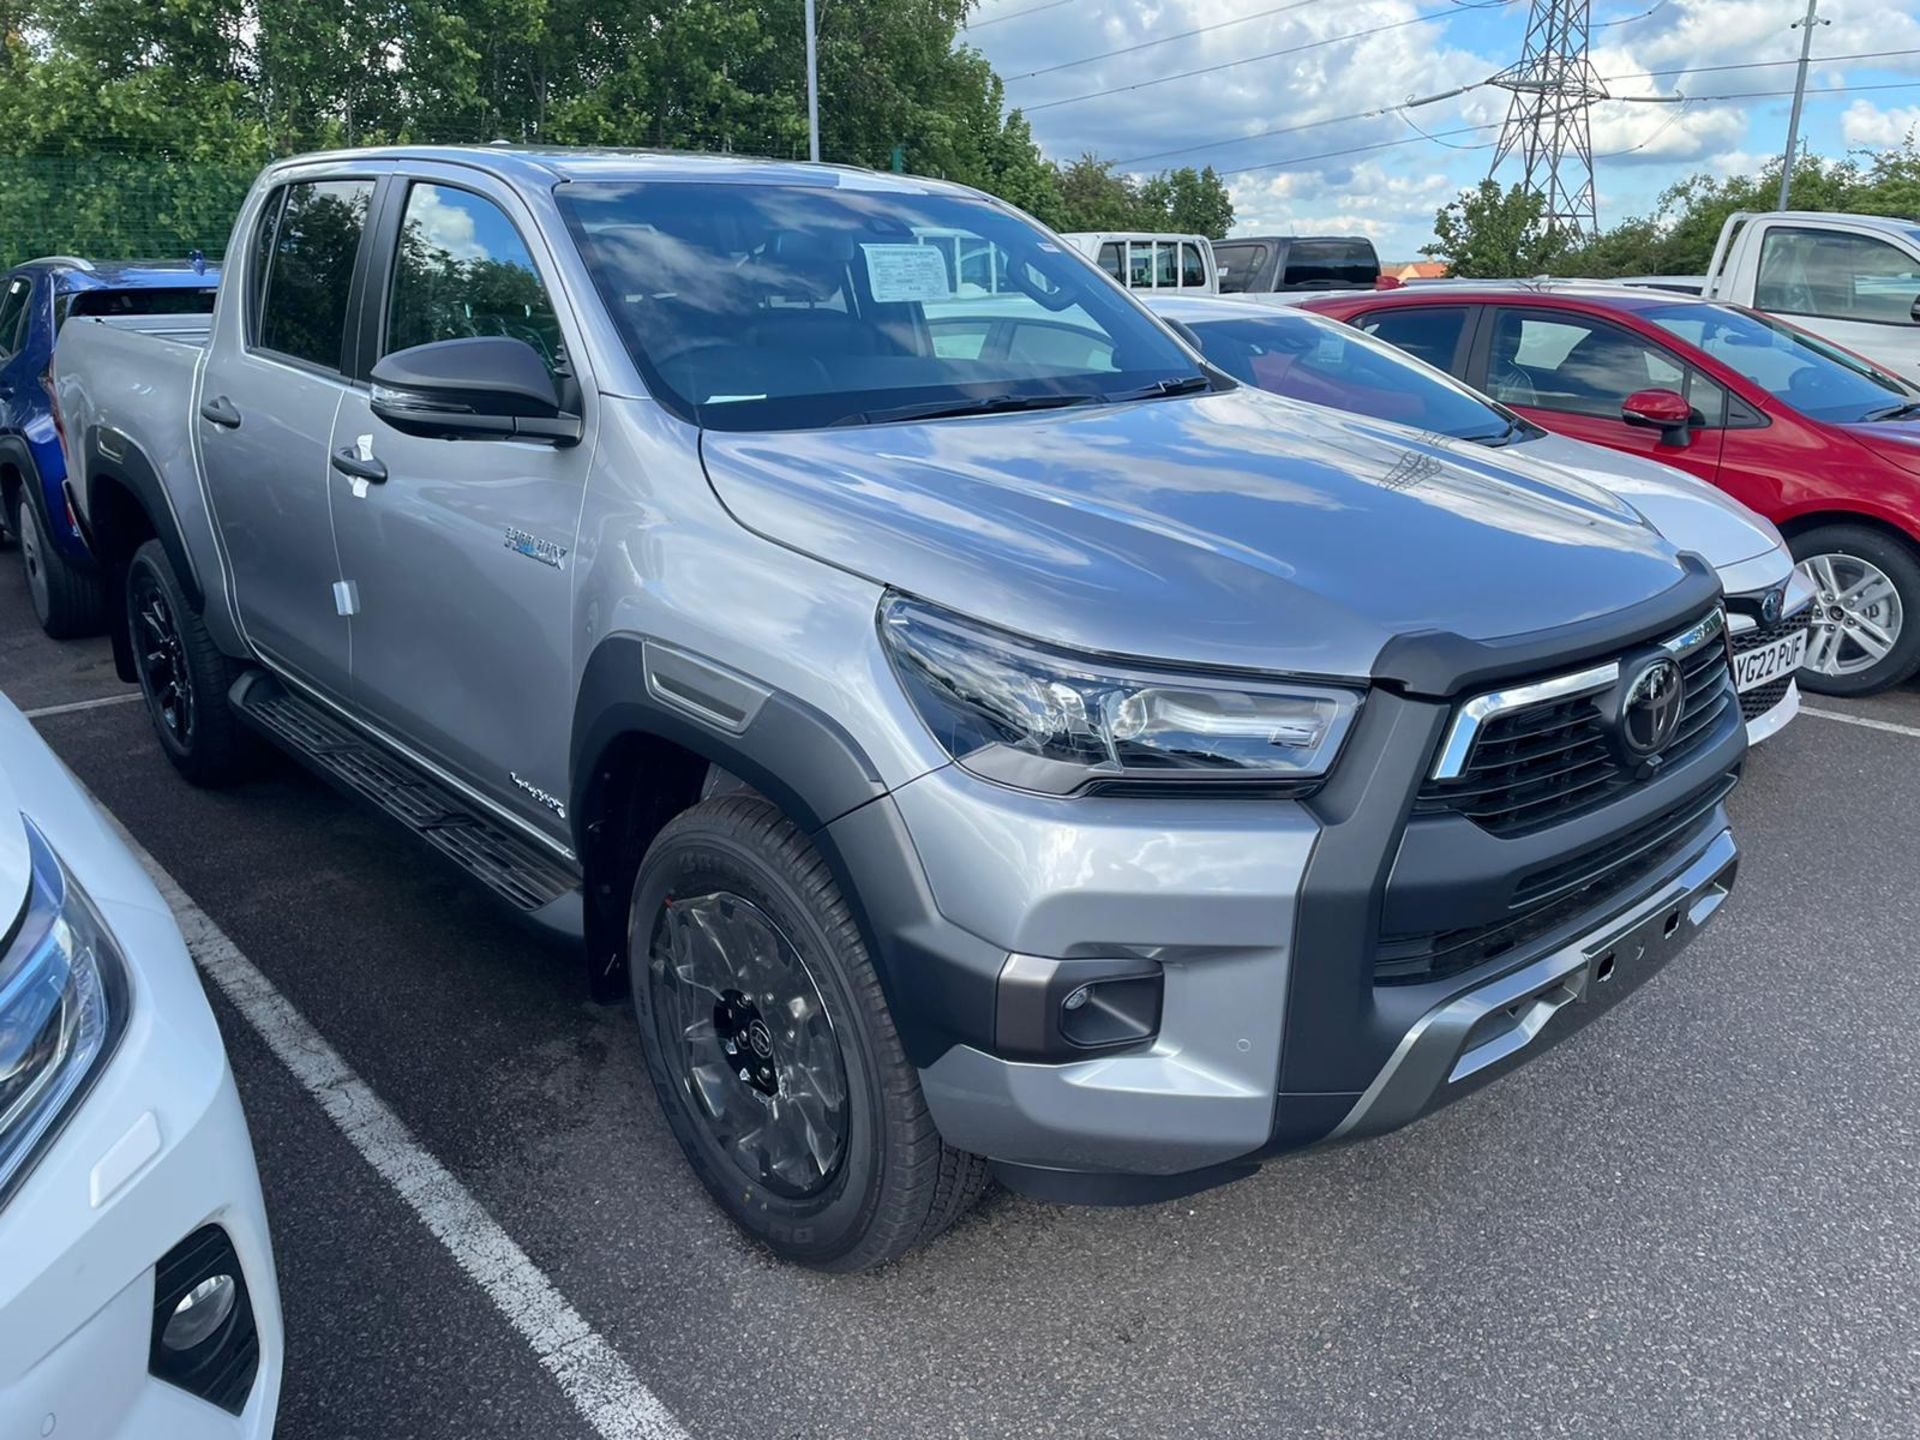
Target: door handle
{"type": "Point", "coordinates": [348, 462]}
{"type": "Point", "coordinates": [219, 411]}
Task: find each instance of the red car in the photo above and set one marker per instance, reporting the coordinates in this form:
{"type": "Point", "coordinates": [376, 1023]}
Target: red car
{"type": "Point", "coordinates": [1824, 444]}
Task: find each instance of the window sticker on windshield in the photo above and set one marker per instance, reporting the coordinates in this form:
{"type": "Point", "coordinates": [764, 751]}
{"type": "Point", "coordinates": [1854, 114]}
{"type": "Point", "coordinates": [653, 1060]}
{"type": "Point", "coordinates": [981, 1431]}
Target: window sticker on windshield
{"type": "Point", "coordinates": [1331, 350]}
{"type": "Point", "coordinates": [906, 272]}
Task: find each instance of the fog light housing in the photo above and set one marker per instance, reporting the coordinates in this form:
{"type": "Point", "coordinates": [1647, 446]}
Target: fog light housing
{"type": "Point", "coordinates": [1065, 1009]}
{"type": "Point", "coordinates": [204, 1337]}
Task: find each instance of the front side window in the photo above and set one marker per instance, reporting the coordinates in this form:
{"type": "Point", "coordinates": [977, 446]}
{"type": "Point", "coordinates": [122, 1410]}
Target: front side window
{"type": "Point", "coordinates": [1323, 363]}
{"type": "Point", "coordinates": [14, 310]}
{"type": "Point", "coordinates": [1574, 364]}
{"type": "Point", "coordinates": [1815, 378]}
{"type": "Point", "coordinates": [1837, 276]}
{"type": "Point", "coordinates": [463, 270]}
{"type": "Point", "coordinates": [1429, 333]}
{"type": "Point", "coordinates": [779, 307]}
{"type": "Point", "coordinates": [310, 258]}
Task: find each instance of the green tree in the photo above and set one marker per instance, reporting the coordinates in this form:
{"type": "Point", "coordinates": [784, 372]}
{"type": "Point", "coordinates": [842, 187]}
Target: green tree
{"type": "Point", "coordinates": [1494, 234]}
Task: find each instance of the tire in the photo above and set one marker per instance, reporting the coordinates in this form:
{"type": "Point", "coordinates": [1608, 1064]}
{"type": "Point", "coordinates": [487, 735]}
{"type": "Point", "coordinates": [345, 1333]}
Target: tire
{"type": "Point", "coordinates": [1839, 560]}
{"type": "Point", "coordinates": [68, 602]}
{"type": "Point", "coordinates": [185, 677]}
{"type": "Point", "coordinates": [733, 867]}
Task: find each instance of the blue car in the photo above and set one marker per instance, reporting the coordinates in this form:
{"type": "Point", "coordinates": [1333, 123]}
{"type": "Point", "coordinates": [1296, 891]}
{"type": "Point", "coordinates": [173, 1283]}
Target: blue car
{"type": "Point", "coordinates": [36, 299]}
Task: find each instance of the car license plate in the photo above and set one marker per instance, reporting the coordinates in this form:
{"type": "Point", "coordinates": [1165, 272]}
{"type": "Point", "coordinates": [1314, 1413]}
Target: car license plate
{"type": "Point", "coordinates": [1770, 662]}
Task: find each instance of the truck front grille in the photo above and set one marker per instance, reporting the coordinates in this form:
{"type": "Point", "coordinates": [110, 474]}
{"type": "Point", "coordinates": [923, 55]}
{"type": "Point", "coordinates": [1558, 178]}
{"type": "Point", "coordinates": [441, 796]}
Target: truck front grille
{"type": "Point", "coordinates": [1551, 761]}
{"type": "Point", "coordinates": [1552, 896]}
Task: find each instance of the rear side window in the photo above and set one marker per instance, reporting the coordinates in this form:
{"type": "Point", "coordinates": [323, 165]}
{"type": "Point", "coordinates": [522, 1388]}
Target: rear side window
{"type": "Point", "coordinates": [464, 270]}
{"type": "Point", "coordinates": [14, 310]}
{"type": "Point", "coordinates": [309, 257]}
{"type": "Point", "coordinates": [1330, 265]}
{"type": "Point", "coordinates": [1239, 266]}
{"type": "Point", "coordinates": [1110, 259]}
{"type": "Point", "coordinates": [1429, 333]}
{"type": "Point", "coordinates": [1193, 269]}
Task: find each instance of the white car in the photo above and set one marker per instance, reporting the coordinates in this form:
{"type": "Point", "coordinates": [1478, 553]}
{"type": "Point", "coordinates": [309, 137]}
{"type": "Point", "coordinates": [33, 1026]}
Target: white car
{"type": "Point", "coordinates": [1310, 358]}
{"type": "Point", "coordinates": [137, 1290]}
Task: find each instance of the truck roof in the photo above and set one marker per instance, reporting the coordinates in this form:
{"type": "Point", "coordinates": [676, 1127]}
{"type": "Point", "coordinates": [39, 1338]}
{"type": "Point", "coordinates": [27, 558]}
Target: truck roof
{"type": "Point", "coordinates": [543, 166]}
{"type": "Point", "coordinates": [70, 273]}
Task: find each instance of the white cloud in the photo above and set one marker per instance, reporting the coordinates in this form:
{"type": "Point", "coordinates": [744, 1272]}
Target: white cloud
{"type": "Point", "coordinates": [445, 227]}
{"type": "Point", "coordinates": [1867, 124]}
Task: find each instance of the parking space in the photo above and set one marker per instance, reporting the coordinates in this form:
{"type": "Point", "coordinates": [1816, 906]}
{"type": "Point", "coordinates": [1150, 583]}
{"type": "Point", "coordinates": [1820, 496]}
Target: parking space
{"type": "Point", "coordinates": [1695, 1219]}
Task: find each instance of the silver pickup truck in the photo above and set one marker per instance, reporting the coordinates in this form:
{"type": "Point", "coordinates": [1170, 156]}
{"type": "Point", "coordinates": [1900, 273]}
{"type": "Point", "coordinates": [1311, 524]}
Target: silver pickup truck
{"type": "Point", "coordinates": [973, 746]}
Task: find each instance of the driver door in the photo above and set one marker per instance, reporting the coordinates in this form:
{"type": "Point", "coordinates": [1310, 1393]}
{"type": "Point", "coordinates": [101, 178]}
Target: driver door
{"type": "Point", "coordinates": [459, 554]}
{"type": "Point", "coordinates": [1570, 372]}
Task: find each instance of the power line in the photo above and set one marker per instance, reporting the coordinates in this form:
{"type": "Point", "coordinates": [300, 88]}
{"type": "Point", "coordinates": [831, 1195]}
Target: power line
{"type": "Point", "coordinates": [1496, 124]}
{"type": "Point", "coordinates": [1163, 40]}
{"type": "Point", "coordinates": [1016, 14]}
{"type": "Point", "coordinates": [1446, 14]}
{"type": "Point", "coordinates": [1381, 111]}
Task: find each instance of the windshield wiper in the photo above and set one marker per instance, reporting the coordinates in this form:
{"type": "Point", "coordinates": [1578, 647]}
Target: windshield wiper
{"type": "Point", "coordinates": [948, 409]}
{"type": "Point", "coordinates": [1902, 411]}
{"type": "Point", "coordinates": [1493, 440]}
{"type": "Point", "coordinates": [1185, 385]}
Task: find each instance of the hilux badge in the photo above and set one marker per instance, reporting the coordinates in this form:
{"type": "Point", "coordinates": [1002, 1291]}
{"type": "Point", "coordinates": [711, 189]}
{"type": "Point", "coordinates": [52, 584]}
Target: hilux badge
{"type": "Point", "coordinates": [534, 548]}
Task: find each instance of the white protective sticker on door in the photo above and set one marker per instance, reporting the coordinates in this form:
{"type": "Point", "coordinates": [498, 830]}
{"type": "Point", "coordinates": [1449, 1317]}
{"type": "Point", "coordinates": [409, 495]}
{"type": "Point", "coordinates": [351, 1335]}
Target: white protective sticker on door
{"type": "Point", "coordinates": [906, 272]}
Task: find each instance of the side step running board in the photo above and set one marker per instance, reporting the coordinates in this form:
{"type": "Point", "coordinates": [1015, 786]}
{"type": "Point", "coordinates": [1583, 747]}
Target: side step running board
{"type": "Point", "coordinates": [539, 885]}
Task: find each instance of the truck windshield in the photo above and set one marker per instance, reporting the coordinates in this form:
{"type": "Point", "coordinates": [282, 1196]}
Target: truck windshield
{"type": "Point", "coordinates": [783, 307]}
{"type": "Point", "coordinates": [1324, 363]}
{"type": "Point", "coordinates": [1815, 378]}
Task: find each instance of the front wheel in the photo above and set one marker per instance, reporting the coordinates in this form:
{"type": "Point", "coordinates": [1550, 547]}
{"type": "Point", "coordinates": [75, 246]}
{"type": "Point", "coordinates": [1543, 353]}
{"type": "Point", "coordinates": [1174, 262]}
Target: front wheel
{"type": "Point", "coordinates": [771, 1048]}
{"type": "Point", "coordinates": [1866, 609]}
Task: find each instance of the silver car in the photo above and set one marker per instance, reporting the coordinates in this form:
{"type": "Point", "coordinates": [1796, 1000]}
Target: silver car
{"type": "Point", "coordinates": [973, 751]}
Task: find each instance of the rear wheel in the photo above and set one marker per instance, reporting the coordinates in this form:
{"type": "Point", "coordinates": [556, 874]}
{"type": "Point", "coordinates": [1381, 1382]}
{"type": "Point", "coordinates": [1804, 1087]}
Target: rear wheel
{"type": "Point", "coordinates": [1866, 626]}
{"type": "Point", "coordinates": [67, 601]}
{"type": "Point", "coordinates": [185, 677]}
{"type": "Point", "coordinates": [771, 1048]}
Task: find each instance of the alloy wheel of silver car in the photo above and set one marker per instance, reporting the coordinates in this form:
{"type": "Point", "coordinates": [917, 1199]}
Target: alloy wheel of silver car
{"type": "Point", "coordinates": [740, 1018]}
{"type": "Point", "coordinates": [1857, 614]}
{"type": "Point", "coordinates": [32, 559]}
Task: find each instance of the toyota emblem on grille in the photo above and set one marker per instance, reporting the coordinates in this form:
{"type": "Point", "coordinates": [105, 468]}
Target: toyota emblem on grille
{"type": "Point", "coordinates": [1772, 603]}
{"type": "Point", "coordinates": [1650, 707]}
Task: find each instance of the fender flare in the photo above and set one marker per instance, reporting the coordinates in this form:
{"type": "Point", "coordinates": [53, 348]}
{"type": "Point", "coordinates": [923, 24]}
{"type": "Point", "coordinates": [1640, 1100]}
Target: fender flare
{"type": "Point", "coordinates": [113, 455]}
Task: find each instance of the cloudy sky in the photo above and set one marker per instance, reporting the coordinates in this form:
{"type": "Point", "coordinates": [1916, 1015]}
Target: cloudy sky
{"type": "Point", "coordinates": [1059, 60]}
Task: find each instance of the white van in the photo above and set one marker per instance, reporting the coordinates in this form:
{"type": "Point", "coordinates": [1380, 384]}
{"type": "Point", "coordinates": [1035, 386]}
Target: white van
{"type": "Point", "coordinates": [1141, 260]}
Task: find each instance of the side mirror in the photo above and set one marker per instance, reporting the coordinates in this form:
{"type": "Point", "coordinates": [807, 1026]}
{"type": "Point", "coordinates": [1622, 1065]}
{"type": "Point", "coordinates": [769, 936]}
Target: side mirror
{"type": "Point", "coordinates": [480, 387]}
{"type": "Point", "coordinates": [1664, 410]}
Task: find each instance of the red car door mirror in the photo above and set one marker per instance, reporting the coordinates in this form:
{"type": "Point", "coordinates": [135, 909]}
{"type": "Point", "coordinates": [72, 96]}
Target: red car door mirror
{"type": "Point", "coordinates": [1664, 410]}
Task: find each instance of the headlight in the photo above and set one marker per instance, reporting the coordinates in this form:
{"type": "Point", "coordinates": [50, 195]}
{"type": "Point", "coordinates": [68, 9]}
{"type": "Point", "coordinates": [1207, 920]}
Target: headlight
{"type": "Point", "coordinates": [1015, 711]}
{"type": "Point", "coordinates": [63, 1003]}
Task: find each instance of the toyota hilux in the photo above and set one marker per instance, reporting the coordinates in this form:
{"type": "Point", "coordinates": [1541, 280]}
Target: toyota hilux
{"type": "Point", "coordinates": [1056, 761]}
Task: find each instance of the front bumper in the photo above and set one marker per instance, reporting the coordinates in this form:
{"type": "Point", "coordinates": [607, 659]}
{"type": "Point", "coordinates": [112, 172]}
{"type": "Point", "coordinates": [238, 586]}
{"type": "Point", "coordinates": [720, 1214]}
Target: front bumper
{"type": "Point", "coordinates": [157, 1150]}
{"type": "Point", "coordinates": [1280, 929]}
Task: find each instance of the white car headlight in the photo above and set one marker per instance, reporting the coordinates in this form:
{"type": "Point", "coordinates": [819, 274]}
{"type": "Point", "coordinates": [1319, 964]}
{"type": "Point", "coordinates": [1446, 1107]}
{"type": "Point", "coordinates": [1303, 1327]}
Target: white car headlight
{"type": "Point", "coordinates": [1037, 718]}
{"type": "Point", "coordinates": [63, 1004]}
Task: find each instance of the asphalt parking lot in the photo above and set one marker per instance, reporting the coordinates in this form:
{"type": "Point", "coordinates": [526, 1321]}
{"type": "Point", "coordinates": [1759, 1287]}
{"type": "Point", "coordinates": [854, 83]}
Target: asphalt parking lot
{"type": "Point", "coordinates": [1697, 1219]}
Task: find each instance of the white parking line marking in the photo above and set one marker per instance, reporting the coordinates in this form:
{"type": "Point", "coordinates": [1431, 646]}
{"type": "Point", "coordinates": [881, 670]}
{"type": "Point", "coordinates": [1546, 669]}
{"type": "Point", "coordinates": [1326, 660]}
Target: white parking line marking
{"type": "Point", "coordinates": [1862, 722]}
{"type": "Point", "coordinates": [601, 1386]}
{"type": "Point", "coordinates": [75, 705]}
